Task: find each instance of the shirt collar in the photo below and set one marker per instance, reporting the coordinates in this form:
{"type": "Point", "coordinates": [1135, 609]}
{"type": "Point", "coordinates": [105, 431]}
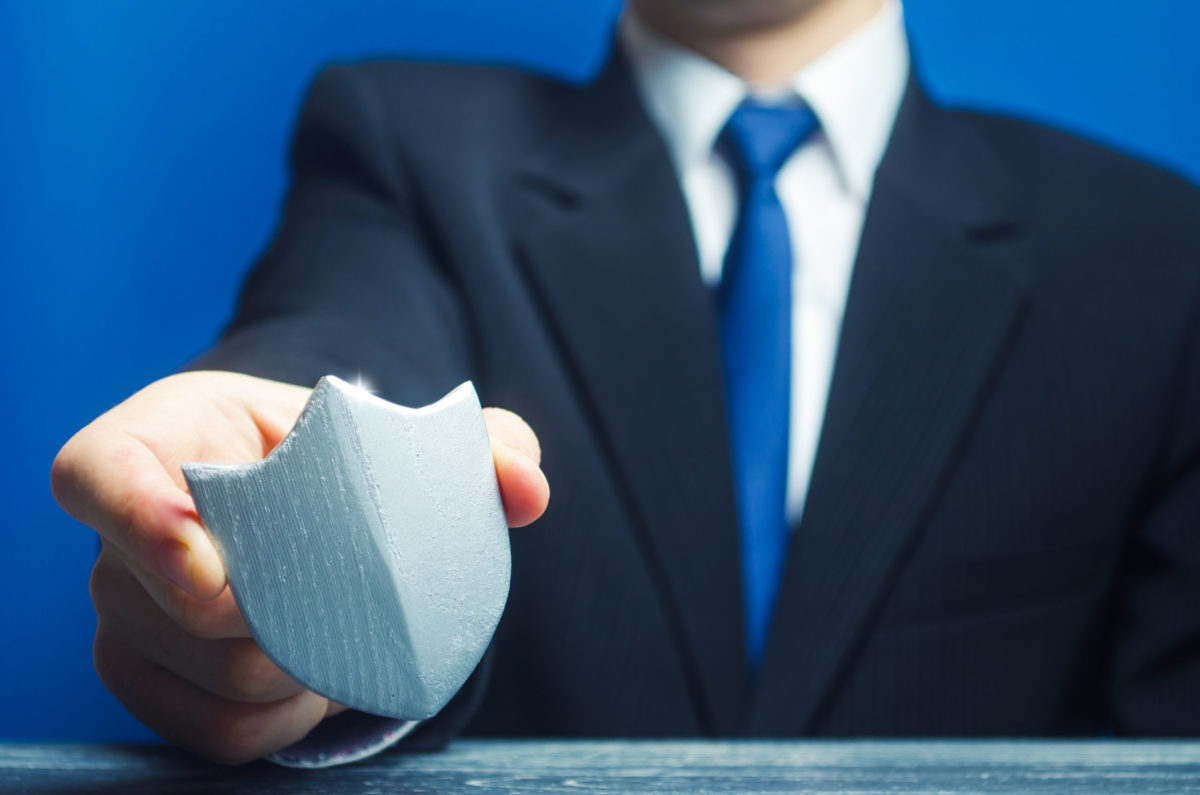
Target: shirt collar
{"type": "Point", "coordinates": [855, 90]}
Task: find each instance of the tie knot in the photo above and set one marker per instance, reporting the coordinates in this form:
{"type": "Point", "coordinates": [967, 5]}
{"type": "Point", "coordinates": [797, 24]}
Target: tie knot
{"type": "Point", "coordinates": [760, 138]}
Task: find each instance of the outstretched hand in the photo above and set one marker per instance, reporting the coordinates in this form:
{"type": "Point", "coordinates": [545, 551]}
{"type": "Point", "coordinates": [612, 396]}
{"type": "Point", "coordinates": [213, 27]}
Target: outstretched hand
{"type": "Point", "coordinates": [171, 644]}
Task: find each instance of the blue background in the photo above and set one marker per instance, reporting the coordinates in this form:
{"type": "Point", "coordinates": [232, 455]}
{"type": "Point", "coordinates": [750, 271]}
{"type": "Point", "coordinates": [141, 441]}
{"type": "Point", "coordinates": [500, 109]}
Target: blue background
{"type": "Point", "coordinates": [141, 168]}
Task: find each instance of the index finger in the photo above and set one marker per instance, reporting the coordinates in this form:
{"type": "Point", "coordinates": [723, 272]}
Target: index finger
{"type": "Point", "coordinates": [112, 482]}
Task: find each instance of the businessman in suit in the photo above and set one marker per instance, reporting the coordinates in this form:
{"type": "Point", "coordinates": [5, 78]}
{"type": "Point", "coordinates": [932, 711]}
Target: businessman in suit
{"type": "Point", "coordinates": [863, 416]}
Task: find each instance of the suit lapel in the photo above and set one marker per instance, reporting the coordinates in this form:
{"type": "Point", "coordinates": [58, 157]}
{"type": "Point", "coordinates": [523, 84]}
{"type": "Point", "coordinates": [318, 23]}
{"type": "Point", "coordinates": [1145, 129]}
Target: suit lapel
{"type": "Point", "coordinates": [931, 310]}
{"type": "Point", "coordinates": [606, 245]}
{"type": "Point", "coordinates": [604, 240]}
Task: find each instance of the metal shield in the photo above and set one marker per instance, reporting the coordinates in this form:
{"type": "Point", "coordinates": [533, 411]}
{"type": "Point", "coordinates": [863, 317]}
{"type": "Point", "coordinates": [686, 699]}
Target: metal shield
{"type": "Point", "coordinates": [369, 551]}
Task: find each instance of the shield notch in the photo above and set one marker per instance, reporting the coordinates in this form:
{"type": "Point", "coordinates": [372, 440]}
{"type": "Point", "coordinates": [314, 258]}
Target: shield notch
{"type": "Point", "coordinates": [369, 550]}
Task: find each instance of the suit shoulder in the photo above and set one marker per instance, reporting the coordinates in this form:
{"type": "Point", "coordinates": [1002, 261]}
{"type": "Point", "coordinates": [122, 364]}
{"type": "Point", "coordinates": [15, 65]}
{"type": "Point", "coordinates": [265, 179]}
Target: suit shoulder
{"type": "Point", "coordinates": [1052, 165]}
{"type": "Point", "coordinates": [445, 96]}
{"type": "Point", "coordinates": [418, 76]}
{"type": "Point", "coordinates": [1094, 214]}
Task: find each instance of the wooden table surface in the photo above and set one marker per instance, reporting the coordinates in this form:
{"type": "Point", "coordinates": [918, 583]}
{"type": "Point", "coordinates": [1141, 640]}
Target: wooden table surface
{"type": "Point", "coordinates": [632, 767]}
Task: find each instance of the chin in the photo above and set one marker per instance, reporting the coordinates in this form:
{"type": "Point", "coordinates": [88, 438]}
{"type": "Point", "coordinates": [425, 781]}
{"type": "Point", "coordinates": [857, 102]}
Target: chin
{"type": "Point", "coordinates": [724, 15]}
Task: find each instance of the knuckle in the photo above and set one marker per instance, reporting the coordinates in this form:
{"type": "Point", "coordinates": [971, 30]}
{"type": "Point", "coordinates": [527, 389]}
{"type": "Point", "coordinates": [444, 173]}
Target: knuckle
{"type": "Point", "coordinates": [100, 584]}
{"type": "Point", "coordinates": [233, 737]}
{"type": "Point", "coordinates": [204, 620]}
{"type": "Point", "coordinates": [103, 658]}
{"type": "Point", "coordinates": [65, 473]}
{"type": "Point", "coordinates": [197, 620]}
{"type": "Point", "coordinates": [109, 588]}
{"type": "Point", "coordinates": [136, 513]}
{"type": "Point", "coordinates": [511, 429]}
{"type": "Point", "coordinates": [112, 666]}
{"type": "Point", "coordinates": [251, 674]}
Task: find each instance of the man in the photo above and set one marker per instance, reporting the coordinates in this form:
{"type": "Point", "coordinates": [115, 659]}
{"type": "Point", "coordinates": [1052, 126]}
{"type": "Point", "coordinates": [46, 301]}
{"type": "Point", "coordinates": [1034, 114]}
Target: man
{"type": "Point", "coordinates": [863, 416]}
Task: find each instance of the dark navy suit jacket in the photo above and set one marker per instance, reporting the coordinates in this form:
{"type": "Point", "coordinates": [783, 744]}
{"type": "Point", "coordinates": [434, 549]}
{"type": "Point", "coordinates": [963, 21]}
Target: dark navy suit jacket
{"type": "Point", "coordinates": [1002, 534]}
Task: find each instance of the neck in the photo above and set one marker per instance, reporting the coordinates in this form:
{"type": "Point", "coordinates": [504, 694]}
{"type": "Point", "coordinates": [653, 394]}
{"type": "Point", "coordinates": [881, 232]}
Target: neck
{"type": "Point", "coordinates": [765, 52]}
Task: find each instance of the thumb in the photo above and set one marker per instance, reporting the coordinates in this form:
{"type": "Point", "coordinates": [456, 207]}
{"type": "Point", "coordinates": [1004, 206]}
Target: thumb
{"type": "Point", "coordinates": [114, 483]}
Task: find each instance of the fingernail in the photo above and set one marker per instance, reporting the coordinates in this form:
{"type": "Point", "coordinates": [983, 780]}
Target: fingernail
{"type": "Point", "coordinates": [517, 451]}
{"type": "Point", "coordinates": [175, 563]}
{"type": "Point", "coordinates": [520, 459]}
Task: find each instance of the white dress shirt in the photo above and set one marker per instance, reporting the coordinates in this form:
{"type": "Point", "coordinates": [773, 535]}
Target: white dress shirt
{"type": "Point", "coordinates": [855, 90]}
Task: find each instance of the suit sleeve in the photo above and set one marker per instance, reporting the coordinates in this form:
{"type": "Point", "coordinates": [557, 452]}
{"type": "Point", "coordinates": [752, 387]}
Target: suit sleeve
{"type": "Point", "coordinates": [1156, 670]}
{"type": "Point", "coordinates": [349, 286]}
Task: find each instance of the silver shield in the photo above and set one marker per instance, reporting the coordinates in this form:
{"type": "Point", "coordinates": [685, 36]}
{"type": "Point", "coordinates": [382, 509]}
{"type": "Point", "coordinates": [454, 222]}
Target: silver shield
{"type": "Point", "coordinates": [369, 551]}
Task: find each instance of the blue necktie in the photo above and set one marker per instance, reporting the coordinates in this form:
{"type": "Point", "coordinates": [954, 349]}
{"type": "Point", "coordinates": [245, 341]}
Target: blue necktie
{"type": "Point", "coordinates": [756, 321]}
